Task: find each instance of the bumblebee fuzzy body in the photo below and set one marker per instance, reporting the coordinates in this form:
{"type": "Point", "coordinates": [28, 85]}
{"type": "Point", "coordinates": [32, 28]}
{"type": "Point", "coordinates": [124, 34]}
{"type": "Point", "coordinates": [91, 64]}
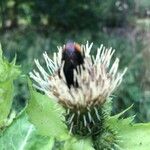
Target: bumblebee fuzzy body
{"type": "Point", "coordinates": [72, 57]}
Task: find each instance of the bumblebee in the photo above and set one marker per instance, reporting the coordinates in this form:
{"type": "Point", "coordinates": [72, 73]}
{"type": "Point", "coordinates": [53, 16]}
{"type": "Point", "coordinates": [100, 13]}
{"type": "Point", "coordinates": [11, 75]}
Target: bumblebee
{"type": "Point", "coordinates": [72, 57]}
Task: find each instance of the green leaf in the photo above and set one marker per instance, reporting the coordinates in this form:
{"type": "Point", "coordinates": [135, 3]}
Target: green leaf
{"type": "Point", "coordinates": [21, 135]}
{"type": "Point", "coordinates": [78, 144]}
{"type": "Point", "coordinates": [112, 121]}
{"type": "Point", "coordinates": [8, 72]}
{"type": "Point", "coordinates": [131, 136]}
{"type": "Point", "coordinates": [6, 96]}
{"type": "Point", "coordinates": [135, 137]}
{"type": "Point", "coordinates": [47, 116]}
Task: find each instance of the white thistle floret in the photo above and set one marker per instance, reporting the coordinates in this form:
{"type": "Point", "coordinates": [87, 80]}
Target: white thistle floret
{"type": "Point", "coordinates": [97, 79]}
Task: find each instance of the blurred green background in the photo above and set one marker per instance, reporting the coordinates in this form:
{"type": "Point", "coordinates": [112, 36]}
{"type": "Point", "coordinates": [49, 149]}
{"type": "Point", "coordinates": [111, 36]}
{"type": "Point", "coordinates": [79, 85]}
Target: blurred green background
{"type": "Point", "coordinates": [30, 27]}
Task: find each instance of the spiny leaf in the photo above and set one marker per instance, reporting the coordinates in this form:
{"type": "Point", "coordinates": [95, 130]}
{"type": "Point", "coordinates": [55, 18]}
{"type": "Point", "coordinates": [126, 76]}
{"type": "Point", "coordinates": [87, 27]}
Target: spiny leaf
{"type": "Point", "coordinates": [8, 72]}
{"type": "Point", "coordinates": [123, 112]}
{"type": "Point", "coordinates": [21, 135]}
{"type": "Point", "coordinates": [131, 136]}
{"type": "Point", "coordinates": [6, 95]}
{"type": "Point", "coordinates": [46, 115]}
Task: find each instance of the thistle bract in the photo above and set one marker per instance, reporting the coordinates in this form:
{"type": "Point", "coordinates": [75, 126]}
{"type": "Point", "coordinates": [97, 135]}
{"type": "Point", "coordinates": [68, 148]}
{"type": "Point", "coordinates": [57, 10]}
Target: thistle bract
{"type": "Point", "coordinates": [96, 80]}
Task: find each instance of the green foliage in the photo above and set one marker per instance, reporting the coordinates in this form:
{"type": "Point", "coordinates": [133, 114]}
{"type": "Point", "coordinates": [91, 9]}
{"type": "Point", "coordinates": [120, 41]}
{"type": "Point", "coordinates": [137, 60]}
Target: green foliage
{"type": "Point", "coordinates": [132, 136]}
{"type": "Point", "coordinates": [115, 13]}
{"type": "Point", "coordinates": [6, 97]}
{"type": "Point", "coordinates": [139, 136]}
{"type": "Point", "coordinates": [143, 7]}
{"type": "Point", "coordinates": [8, 72]}
{"type": "Point", "coordinates": [66, 14]}
{"type": "Point", "coordinates": [46, 115]}
{"type": "Point", "coordinates": [21, 135]}
{"type": "Point", "coordinates": [78, 144]}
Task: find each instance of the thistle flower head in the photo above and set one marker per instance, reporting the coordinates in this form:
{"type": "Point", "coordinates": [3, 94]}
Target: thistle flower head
{"type": "Point", "coordinates": [81, 83]}
{"type": "Point", "coordinates": [96, 78]}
